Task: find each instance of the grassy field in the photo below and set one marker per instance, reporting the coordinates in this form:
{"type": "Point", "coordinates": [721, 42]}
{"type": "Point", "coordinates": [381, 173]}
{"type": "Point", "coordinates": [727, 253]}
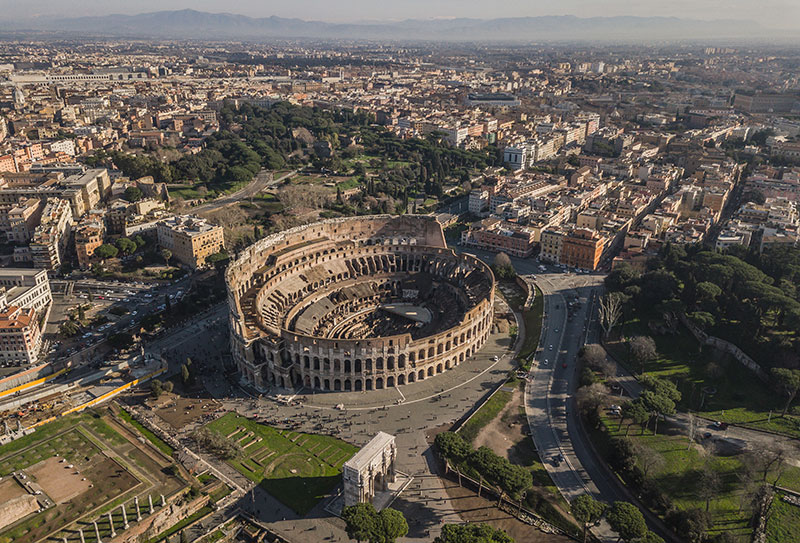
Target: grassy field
{"type": "Point", "coordinates": [348, 184]}
{"type": "Point", "coordinates": [784, 524]}
{"type": "Point", "coordinates": [533, 328]}
{"type": "Point", "coordinates": [740, 396]}
{"type": "Point", "coordinates": [677, 475]}
{"type": "Point", "coordinates": [186, 194]}
{"type": "Point", "coordinates": [100, 470]}
{"type": "Point", "coordinates": [160, 444]}
{"type": "Point", "coordinates": [483, 416]}
{"type": "Point", "coordinates": [297, 469]}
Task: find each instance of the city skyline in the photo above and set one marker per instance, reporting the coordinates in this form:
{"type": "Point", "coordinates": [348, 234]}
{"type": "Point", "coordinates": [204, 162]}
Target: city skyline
{"type": "Point", "coordinates": [779, 14]}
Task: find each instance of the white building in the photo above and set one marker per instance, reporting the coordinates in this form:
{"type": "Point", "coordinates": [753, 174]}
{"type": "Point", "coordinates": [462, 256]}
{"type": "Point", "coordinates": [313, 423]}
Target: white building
{"type": "Point", "coordinates": [26, 288]}
{"type": "Point", "coordinates": [479, 202]}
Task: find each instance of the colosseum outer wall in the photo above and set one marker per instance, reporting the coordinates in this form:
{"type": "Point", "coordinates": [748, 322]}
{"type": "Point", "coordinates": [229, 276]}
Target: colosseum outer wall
{"type": "Point", "coordinates": [267, 353]}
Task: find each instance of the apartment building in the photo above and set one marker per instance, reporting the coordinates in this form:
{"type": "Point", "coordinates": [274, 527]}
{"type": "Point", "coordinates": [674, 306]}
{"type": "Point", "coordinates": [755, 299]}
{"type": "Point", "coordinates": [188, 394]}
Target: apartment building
{"type": "Point", "coordinates": [498, 236]}
{"type": "Point", "coordinates": [89, 236]}
{"type": "Point", "coordinates": [51, 236]}
{"type": "Point", "coordinates": [85, 191]}
{"type": "Point", "coordinates": [19, 221]}
{"type": "Point", "coordinates": [20, 336]}
{"type": "Point", "coordinates": [190, 239]}
{"type": "Point", "coordinates": [582, 248]}
{"type": "Point", "coordinates": [551, 241]}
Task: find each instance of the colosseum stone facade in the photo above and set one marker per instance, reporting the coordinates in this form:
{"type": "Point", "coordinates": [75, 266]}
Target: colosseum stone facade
{"type": "Point", "coordinates": [356, 304]}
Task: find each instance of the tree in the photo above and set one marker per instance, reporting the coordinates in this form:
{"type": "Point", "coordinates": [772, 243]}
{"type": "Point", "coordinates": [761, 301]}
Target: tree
{"type": "Point", "coordinates": [361, 520]}
{"type": "Point", "coordinates": [364, 523]}
{"type": "Point", "coordinates": [133, 194]}
{"type": "Point", "coordinates": [391, 525]}
{"type": "Point", "coordinates": [651, 537]}
{"type": "Point", "coordinates": [610, 311]}
{"type": "Point", "coordinates": [140, 242]}
{"type": "Point", "coordinates": [593, 355]}
{"type": "Point", "coordinates": [156, 388]}
{"type": "Point", "coordinates": [766, 459]}
{"type": "Point", "coordinates": [472, 533]}
{"type": "Point", "coordinates": [503, 267]}
{"type": "Point", "coordinates": [168, 386]}
{"type": "Point", "coordinates": [661, 386]}
{"type": "Point", "coordinates": [658, 405]}
{"type": "Point", "coordinates": [166, 254]}
{"type": "Point", "coordinates": [185, 375]}
{"type": "Point", "coordinates": [590, 398]}
{"type": "Point", "coordinates": [636, 412]}
{"type": "Point", "coordinates": [649, 459]}
{"type": "Point", "coordinates": [68, 328]}
{"type": "Point", "coordinates": [126, 246]}
{"type": "Point", "coordinates": [689, 525]}
{"type": "Point", "coordinates": [622, 456]}
{"type": "Point", "coordinates": [452, 446]}
{"type": "Point", "coordinates": [627, 521]}
{"type": "Point", "coordinates": [81, 314]}
{"type": "Point", "coordinates": [643, 349]}
{"type": "Point", "coordinates": [105, 251]}
{"type": "Point", "coordinates": [587, 511]}
{"type": "Point", "coordinates": [708, 485]}
{"type": "Point", "coordinates": [789, 381]}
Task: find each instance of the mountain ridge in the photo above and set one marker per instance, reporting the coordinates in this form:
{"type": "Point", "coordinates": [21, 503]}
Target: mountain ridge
{"type": "Point", "coordinates": [193, 24]}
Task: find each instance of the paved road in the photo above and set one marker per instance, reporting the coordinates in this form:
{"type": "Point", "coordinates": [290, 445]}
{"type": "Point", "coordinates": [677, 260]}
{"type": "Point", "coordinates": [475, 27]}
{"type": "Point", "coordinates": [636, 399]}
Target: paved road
{"type": "Point", "coordinates": [549, 395]}
{"type": "Point", "coordinates": [263, 180]}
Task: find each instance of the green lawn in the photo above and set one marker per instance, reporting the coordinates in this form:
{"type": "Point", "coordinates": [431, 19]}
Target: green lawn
{"type": "Point", "coordinates": [678, 474]}
{"type": "Point", "coordinates": [186, 194]}
{"type": "Point", "coordinates": [784, 524]}
{"type": "Point", "coordinates": [487, 412]}
{"type": "Point", "coordinates": [160, 444]}
{"type": "Point", "coordinates": [740, 396]}
{"type": "Point", "coordinates": [298, 469]}
{"type": "Point", "coordinates": [533, 328]}
{"type": "Point", "coordinates": [349, 184]}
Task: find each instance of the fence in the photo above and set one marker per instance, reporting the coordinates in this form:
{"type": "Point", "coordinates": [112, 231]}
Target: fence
{"type": "Point", "coordinates": [514, 509]}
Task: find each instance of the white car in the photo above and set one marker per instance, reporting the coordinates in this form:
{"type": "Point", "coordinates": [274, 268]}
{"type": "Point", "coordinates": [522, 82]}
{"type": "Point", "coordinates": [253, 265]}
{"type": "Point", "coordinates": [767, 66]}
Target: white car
{"type": "Point", "coordinates": [551, 347]}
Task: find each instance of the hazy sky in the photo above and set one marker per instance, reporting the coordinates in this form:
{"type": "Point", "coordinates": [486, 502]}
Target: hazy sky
{"type": "Point", "coordinates": [771, 13]}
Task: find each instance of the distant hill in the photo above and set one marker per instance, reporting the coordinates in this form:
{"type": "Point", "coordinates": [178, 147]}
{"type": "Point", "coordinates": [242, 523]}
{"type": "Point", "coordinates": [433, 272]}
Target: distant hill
{"type": "Point", "coordinates": [191, 24]}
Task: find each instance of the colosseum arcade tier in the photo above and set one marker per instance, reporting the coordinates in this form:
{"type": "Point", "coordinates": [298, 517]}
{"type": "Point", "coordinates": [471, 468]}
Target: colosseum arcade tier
{"type": "Point", "coordinates": [356, 304]}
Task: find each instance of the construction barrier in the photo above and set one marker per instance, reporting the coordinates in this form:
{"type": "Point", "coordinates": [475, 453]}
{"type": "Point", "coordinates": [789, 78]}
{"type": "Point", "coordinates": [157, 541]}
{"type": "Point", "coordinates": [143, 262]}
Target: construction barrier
{"type": "Point", "coordinates": [108, 395]}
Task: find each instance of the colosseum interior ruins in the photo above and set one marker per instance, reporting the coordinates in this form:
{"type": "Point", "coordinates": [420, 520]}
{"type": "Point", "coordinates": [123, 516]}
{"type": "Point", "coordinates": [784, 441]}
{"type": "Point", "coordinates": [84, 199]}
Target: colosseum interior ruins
{"type": "Point", "coordinates": [356, 304]}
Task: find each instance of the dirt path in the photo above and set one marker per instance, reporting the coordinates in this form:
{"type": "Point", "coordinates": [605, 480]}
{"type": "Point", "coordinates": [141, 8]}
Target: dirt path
{"type": "Point", "coordinates": [506, 429]}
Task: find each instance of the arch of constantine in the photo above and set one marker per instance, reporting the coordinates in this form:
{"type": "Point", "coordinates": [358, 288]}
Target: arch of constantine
{"type": "Point", "coordinates": [370, 470]}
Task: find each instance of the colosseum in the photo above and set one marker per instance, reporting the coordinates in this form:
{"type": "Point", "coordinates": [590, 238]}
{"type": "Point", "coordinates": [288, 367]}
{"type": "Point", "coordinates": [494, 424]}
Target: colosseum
{"type": "Point", "coordinates": [356, 304]}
